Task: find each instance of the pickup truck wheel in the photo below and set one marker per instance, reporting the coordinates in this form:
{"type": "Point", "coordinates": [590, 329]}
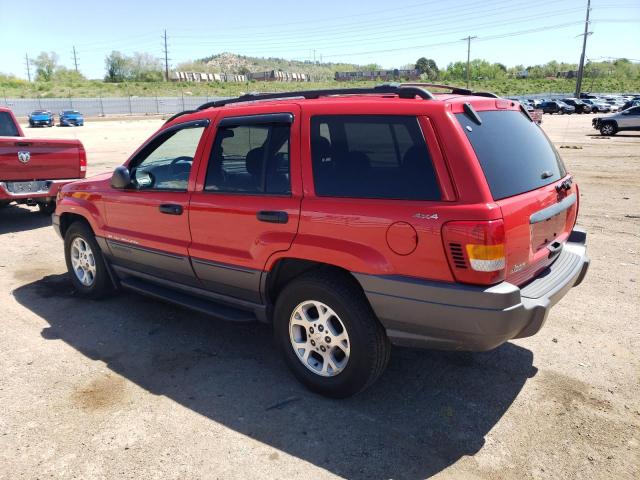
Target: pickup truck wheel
{"type": "Point", "coordinates": [85, 262]}
{"type": "Point", "coordinates": [329, 335]}
{"type": "Point", "coordinates": [608, 129]}
{"type": "Point", "coordinates": [47, 208]}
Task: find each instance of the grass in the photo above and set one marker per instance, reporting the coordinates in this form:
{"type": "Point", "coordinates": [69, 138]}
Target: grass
{"type": "Point", "coordinates": [11, 88]}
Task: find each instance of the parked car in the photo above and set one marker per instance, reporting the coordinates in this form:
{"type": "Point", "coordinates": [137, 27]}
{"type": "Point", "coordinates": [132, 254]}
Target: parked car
{"type": "Point", "coordinates": [611, 124]}
{"type": "Point", "coordinates": [341, 218]}
{"type": "Point", "coordinates": [597, 106]}
{"type": "Point", "coordinates": [70, 118]}
{"type": "Point", "coordinates": [535, 113]}
{"type": "Point", "coordinates": [32, 171]}
{"type": "Point", "coordinates": [556, 106]}
{"type": "Point", "coordinates": [629, 104]}
{"type": "Point", "coordinates": [578, 105]}
{"type": "Point", "coordinates": [41, 118]}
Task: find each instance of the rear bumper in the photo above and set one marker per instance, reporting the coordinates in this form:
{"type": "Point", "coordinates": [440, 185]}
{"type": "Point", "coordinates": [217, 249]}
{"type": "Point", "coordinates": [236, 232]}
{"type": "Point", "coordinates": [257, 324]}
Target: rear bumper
{"type": "Point", "coordinates": [50, 191]}
{"type": "Point", "coordinates": [450, 316]}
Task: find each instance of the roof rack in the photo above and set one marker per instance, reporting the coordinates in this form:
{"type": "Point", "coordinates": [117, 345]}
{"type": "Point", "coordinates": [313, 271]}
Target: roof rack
{"type": "Point", "coordinates": [403, 91]}
{"type": "Point", "coordinates": [454, 90]}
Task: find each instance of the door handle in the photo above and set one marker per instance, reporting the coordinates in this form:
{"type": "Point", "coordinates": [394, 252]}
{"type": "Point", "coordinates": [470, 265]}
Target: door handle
{"type": "Point", "coordinates": [272, 216]}
{"type": "Point", "coordinates": [170, 209]}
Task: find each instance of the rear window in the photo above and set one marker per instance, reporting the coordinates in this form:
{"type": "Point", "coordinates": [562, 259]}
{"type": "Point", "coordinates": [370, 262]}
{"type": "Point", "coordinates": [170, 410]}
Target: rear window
{"type": "Point", "coordinates": [7, 126]}
{"type": "Point", "coordinates": [514, 153]}
{"type": "Point", "coordinates": [371, 156]}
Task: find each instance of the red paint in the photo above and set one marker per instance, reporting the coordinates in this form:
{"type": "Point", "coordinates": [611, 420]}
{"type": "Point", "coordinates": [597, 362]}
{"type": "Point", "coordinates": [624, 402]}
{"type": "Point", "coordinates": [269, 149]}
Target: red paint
{"type": "Point", "coordinates": [387, 237]}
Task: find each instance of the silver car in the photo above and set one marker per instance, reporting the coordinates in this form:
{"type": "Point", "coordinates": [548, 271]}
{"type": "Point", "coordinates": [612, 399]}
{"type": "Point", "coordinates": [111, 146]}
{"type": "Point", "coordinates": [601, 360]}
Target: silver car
{"type": "Point", "coordinates": [611, 124]}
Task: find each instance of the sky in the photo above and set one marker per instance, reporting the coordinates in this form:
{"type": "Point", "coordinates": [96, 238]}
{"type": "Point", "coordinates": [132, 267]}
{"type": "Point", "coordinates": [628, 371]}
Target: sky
{"type": "Point", "coordinates": [391, 34]}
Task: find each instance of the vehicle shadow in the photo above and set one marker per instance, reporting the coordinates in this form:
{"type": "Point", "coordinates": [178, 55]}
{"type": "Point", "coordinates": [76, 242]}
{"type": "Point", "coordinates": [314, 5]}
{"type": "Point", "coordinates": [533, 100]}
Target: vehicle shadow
{"type": "Point", "coordinates": [617, 135]}
{"type": "Point", "coordinates": [427, 411]}
{"type": "Point", "coordinates": [14, 218]}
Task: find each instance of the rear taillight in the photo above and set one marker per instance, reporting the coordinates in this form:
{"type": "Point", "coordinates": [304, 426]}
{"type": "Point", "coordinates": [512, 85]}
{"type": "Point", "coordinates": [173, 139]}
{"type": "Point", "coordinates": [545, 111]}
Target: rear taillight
{"type": "Point", "coordinates": [476, 251]}
{"type": "Point", "coordinates": [83, 161]}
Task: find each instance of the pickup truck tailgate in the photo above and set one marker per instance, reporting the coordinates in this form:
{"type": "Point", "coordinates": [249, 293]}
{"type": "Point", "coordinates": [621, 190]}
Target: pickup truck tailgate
{"type": "Point", "coordinates": [39, 159]}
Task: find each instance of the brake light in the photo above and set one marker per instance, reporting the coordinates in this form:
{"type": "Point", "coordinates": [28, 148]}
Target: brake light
{"type": "Point", "coordinates": [83, 161]}
{"type": "Point", "coordinates": [476, 251]}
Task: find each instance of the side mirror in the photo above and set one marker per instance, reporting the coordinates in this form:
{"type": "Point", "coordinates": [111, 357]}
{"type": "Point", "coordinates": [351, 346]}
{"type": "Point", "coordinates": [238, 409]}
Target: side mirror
{"type": "Point", "coordinates": [121, 177]}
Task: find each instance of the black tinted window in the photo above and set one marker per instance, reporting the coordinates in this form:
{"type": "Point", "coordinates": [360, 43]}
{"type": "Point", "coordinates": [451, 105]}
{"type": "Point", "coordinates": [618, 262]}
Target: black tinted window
{"type": "Point", "coordinates": [515, 154]}
{"type": "Point", "coordinates": [364, 156]}
{"type": "Point", "coordinates": [250, 159]}
{"type": "Point", "coordinates": [7, 127]}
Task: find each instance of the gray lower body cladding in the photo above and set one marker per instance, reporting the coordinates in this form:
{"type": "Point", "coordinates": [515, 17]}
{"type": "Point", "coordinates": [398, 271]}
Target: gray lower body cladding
{"type": "Point", "coordinates": [452, 316]}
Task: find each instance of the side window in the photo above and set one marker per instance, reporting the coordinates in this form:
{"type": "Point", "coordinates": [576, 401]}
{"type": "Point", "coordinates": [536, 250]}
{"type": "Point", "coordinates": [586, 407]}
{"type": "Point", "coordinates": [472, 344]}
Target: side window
{"type": "Point", "coordinates": [634, 111]}
{"type": "Point", "coordinates": [371, 156]}
{"type": "Point", "coordinates": [166, 162]}
{"type": "Point", "coordinates": [7, 127]}
{"type": "Point", "coordinates": [250, 159]}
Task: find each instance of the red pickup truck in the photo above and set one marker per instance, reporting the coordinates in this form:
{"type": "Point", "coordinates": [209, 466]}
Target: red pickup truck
{"type": "Point", "coordinates": [33, 170]}
{"type": "Point", "coordinates": [351, 219]}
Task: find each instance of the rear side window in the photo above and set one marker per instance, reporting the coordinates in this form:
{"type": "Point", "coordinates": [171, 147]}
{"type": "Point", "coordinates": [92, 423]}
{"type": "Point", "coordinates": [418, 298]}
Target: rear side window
{"type": "Point", "coordinates": [7, 127]}
{"type": "Point", "coordinates": [371, 156]}
{"type": "Point", "coordinates": [514, 153]}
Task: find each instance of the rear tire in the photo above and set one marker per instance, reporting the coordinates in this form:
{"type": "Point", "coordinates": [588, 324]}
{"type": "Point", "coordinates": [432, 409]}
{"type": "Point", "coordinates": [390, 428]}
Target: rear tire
{"type": "Point", "coordinates": [85, 263]}
{"type": "Point", "coordinates": [351, 349]}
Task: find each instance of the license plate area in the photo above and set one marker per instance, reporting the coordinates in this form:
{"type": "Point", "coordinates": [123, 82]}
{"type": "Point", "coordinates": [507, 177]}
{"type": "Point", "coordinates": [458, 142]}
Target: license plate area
{"type": "Point", "coordinates": [545, 232]}
{"type": "Point", "coordinates": [35, 186]}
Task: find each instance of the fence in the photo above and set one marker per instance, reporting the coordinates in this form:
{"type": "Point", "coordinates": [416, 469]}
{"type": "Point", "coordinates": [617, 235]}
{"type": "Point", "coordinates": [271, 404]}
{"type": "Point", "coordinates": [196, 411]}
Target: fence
{"type": "Point", "coordinates": [107, 106]}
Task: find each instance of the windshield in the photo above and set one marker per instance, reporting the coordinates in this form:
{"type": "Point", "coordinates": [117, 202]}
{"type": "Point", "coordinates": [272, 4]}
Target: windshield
{"type": "Point", "coordinates": [514, 153]}
{"type": "Point", "coordinates": [71, 112]}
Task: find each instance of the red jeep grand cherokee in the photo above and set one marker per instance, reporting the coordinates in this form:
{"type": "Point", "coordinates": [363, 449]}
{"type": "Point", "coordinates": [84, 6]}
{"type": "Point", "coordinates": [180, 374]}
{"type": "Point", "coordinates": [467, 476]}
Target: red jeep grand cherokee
{"type": "Point", "coordinates": [352, 219]}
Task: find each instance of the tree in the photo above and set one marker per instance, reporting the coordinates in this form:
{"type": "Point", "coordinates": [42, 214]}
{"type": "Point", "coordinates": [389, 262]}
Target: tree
{"type": "Point", "coordinates": [428, 67]}
{"type": "Point", "coordinates": [144, 67]}
{"type": "Point", "coordinates": [46, 64]}
{"type": "Point", "coordinates": [118, 67]}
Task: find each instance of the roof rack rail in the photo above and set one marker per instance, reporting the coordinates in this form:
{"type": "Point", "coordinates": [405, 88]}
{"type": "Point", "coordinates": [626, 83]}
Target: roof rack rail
{"type": "Point", "coordinates": [454, 90]}
{"type": "Point", "coordinates": [403, 91]}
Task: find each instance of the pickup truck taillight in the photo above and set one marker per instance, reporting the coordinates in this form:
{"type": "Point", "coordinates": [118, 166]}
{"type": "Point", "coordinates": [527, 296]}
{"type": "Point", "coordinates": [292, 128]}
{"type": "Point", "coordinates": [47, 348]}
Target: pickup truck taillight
{"type": "Point", "coordinates": [83, 162]}
{"type": "Point", "coordinates": [476, 251]}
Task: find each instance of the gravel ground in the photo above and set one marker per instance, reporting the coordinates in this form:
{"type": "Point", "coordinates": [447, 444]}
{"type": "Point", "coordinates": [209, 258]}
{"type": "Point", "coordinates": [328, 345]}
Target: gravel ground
{"type": "Point", "coordinates": [133, 388]}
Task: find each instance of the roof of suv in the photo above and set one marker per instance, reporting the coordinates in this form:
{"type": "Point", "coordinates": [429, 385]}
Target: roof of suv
{"type": "Point", "coordinates": [407, 92]}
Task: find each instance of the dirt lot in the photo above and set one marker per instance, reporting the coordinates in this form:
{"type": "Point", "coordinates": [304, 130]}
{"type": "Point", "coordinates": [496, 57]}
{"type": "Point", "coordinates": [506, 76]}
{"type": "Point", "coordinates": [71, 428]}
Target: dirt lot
{"type": "Point", "coordinates": [132, 388]}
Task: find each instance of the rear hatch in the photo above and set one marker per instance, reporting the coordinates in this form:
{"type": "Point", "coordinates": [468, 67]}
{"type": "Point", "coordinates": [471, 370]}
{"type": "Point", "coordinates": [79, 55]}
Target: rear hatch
{"type": "Point", "coordinates": [39, 159]}
{"type": "Point", "coordinates": [529, 182]}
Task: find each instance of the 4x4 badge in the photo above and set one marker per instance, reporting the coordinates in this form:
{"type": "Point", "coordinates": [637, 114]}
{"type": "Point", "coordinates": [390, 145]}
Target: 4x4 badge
{"type": "Point", "coordinates": [24, 157]}
{"type": "Point", "coordinates": [426, 216]}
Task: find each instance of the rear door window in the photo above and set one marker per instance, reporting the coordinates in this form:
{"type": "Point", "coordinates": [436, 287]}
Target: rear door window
{"type": "Point", "coordinates": [371, 156]}
{"type": "Point", "coordinates": [514, 153]}
{"type": "Point", "coordinates": [251, 159]}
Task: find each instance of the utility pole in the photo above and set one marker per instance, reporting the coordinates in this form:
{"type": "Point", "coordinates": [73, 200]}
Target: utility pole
{"type": "Point", "coordinates": [26, 57]}
{"type": "Point", "coordinates": [166, 58]}
{"type": "Point", "coordinates": [75, 58]}
{"type": "Point", "coordinates": [468, 39]}
{"type": "Point", "coordinates": [314, 56]}
{"type": "Point", "coordinates": [584, 48]}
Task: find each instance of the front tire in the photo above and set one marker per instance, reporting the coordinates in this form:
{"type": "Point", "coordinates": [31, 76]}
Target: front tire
{"type": "Point", "coordinates": [608, 129]}
{"type": "Point", "coordinates": [329, 335]}
{"type": "Point", "coordinates": [85, 262]}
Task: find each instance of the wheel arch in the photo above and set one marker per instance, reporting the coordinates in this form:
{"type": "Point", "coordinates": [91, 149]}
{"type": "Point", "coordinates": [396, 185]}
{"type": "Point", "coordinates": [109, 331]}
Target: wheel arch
{"type": "Point", "coordinates": [68, 218]}
{"type": "Point", "coordinates": [286, 269]}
